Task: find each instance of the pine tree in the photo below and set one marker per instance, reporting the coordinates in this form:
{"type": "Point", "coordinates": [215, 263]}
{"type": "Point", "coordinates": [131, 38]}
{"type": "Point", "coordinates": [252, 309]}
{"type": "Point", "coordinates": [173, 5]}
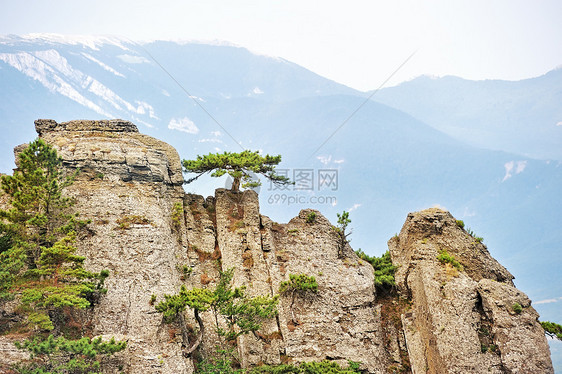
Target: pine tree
{"type": "Point", "coordinates": [238, 166]}
{"type": "Point", "coordinates": [554, 330]}
{"type": "Point", "coordinates": [241, 314]}
{"type": "Point", "coordinates": [343, 222]}
{"type": "Point", "coordinates": [59, 281]}
{"type": "Point", "coordinates": [37, 231]}
{"type": "Point", "coordinates": [61, 355]}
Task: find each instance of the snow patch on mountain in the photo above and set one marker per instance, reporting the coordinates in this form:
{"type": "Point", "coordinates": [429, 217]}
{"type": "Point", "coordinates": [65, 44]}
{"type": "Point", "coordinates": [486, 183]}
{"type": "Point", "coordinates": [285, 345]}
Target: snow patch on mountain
{"type": "Point", "coordinates": [104, 66]}
{"type": "Point", "coordinates": [55, 73]}
{"type": "Point", "coordinates": [131, 59]}
{"type": "Point", "coordinates": [511, 167]}
{"type": "Point", "coordinates": [93, 42]}
{"type": "Point", "coordinates": [40, 71]}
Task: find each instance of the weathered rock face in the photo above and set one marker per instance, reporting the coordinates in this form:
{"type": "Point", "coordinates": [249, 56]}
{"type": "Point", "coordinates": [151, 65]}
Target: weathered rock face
{"type": "Point", "coordinates": [112, 148]}
{"type": "Point", "coordinates": [127, 185]}
{"type": "Point", "coordinates": [462, 321]}
{"type": "Point", "coordinates": [130, 186]}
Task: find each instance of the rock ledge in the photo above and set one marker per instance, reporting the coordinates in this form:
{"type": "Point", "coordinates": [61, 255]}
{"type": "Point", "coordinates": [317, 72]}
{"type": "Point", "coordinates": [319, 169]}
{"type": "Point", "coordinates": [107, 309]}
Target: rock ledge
{"type": "Point", "coordinates": [112, 125]}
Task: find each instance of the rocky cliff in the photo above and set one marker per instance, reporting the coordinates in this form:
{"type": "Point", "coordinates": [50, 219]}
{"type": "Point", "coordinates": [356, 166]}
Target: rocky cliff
{"type": "Point", "coordinates": [444, 319]}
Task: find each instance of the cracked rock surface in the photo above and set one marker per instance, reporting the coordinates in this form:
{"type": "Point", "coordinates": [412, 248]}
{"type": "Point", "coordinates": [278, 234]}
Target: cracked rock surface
{"type": "Point", "coordinates": [462, 320]}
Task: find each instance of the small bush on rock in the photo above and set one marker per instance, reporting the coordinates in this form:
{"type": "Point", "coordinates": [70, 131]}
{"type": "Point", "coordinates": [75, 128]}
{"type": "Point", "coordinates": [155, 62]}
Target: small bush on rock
{"type": "Point", "coordinates": [311, 217]}
{"type": "Point", "coordinates": [445, 258]}
{"type": "Point", "coordinates": [299, 283]}
{"type": "Point", "coordinates": [384, 270]}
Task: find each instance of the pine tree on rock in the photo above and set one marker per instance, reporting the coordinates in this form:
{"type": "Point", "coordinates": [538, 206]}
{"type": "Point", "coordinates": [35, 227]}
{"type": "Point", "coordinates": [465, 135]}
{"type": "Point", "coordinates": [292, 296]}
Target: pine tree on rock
{"type": "Point", "coordinates": [37, 259]}
{"type": "Point", "coordinates": [238, 166]}
{"type": "Point", "coordinates": [231, 306]}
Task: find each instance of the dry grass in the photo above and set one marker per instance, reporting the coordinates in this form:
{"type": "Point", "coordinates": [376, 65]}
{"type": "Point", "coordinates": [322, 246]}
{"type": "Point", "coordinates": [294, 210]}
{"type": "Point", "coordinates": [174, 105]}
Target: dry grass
{"type": "Point", "coordinates": [451, 271]}
{"type": "Point", "coordinates": [125, 222]}
{"type": "Point", "coordinates": [205, 279]}
{"type": "Point", "coordinates": [248, 260]}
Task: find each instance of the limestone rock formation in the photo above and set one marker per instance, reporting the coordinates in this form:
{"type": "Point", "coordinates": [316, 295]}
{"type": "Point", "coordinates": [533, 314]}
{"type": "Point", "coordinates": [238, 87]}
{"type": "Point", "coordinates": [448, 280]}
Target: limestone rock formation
{"type": "Point", "coordinates": [462, 321]}
{"type": "Point", "coordinates": [153, 237]}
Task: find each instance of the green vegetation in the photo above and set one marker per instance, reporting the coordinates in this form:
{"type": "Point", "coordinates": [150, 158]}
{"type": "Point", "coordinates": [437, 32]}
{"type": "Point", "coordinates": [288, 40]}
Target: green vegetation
{"type": "Point", "coordinates": [240, 313]}
{"type": "Point", "coordinates": [59, 281]}
{"type": "Point", "coordinates": [485, 348]}
{"type": "Point", "coordinates": [446, 258]}
{"type": "Point", "coordinates": [343, 222]}
{"type": "Point", "coordinates": [238, 165]}
{"type": "Point", "coordinates": [60, 355]}
{"type": "Point", "coordinates": [186, 269]}
{"type": "Point", "coordinates": [37, 257]}
{"type": "Point", "coordinates": [125, 222]}
{"type": "Point", "coordinates": [552, 329]}
{"type": "Point", "coordinates": [517, 308]}
{"type": "Point", "coordinates": [311, 217]}
{"type": "Point", "coordinates": [222, 363]}
{"type": "Point", "coordinates": [323, 367]}
{"type": "Point", "coordinates": [299, 283]}
{"type": "Point", "coordinates": [38, 261]}
{"type": "Point", "coordinates": [478, 239]}
{"type": "Point", "coordinates": [384, 270]}
{"type": "Point", "coordinates": [177, 215]}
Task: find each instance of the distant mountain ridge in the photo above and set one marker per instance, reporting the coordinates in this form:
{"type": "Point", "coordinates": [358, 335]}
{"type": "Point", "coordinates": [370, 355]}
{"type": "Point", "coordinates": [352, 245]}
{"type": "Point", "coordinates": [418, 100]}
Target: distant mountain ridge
{"type": "Point", "coordinates": [523, 116]}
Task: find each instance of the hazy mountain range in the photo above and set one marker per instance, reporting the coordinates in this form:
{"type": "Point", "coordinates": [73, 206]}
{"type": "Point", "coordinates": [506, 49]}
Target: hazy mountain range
{"type": "Point", "coordinates": [488, 151]}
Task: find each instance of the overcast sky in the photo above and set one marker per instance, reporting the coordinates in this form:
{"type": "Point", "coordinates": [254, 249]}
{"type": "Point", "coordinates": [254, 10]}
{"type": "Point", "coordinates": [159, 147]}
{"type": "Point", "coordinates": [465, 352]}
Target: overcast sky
{"type": "Point", "coordinates": [356, 42]}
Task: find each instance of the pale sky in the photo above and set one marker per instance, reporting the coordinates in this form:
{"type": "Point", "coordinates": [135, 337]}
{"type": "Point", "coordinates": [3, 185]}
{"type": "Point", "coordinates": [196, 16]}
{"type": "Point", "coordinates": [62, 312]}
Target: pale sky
{"type": "Point", "coordinates": [357, 42]}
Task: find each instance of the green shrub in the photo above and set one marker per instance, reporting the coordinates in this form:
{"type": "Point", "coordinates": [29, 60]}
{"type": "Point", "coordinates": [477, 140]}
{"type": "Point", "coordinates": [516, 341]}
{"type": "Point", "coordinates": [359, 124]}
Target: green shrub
{"type": "Point", "coordinates": [60, 355]}
{"type": "Point", "coordinates": [384, 270]}
{"type": "Point", "coordinates": [299, 283]}
{"type": "Point", "coordinates": [445, 258]}
{"type": "Point", "coordinates": [311, 217]}
{"type": "Point", "coordinates": [460, 223]}
{"type": "Point", "coordinates": [517, 308]}
{"type": "Point", "coordinates": [323, 367]}
{"type": "Point", "coordinates": [177, 214]}
{"type": "Point", "coordinates": [185, 269]}
{"type": "Point", "coordinates": [220, 362]}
